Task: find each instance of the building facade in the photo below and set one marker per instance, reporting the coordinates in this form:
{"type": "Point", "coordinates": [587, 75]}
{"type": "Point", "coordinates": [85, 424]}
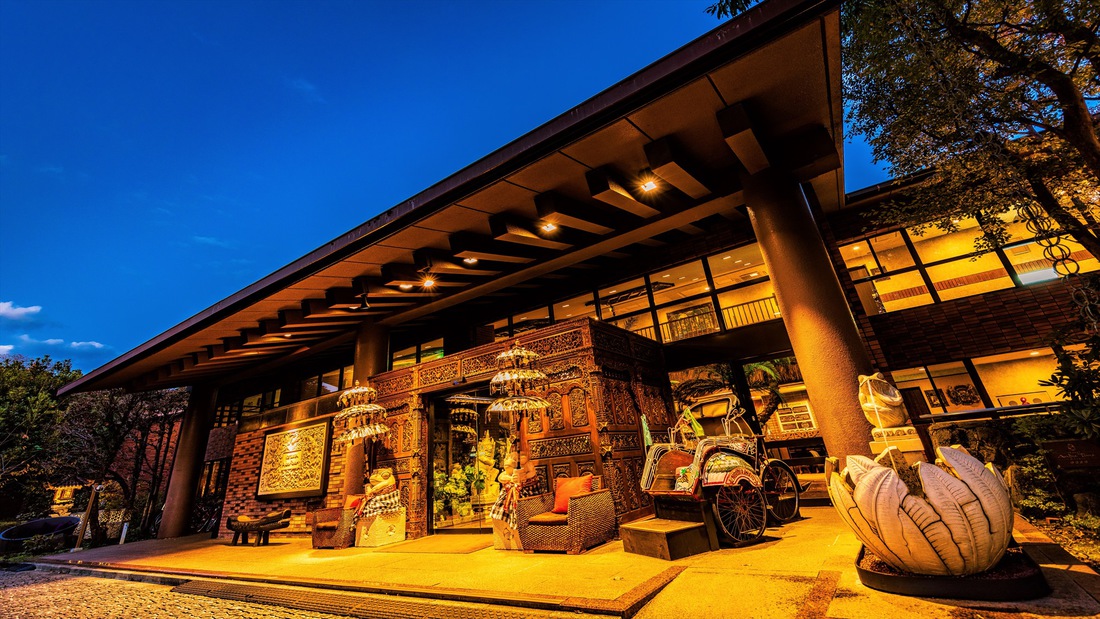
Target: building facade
{"type": "Point", "coordinates": [689, 217]}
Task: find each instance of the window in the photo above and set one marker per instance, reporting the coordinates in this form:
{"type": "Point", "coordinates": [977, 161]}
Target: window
{"type": "Point", "coordinates": [969, 276]}
{"type": "Point", "coordinates": [501, 330]}
{"type": "Point", "coordinates": [687, 320]}
{"type": "Point", "coordinates": [1013, 379]}
{"type": "Point", "coordinates": [577, 307]}
{"type": "Point", "coordinates": [748, 305]}
{"type": "Point", "coordinates": [535, 318]}
{"type": "Point", "coordinates": [641, 323]}
{"type": "Point", "coordinates": [330, 381]}
{"type": "Point", "coordinates": [624, 298]}
{"type": "Point", "coordinates": [404, 358]}
{"type": "Point", "coordinates": [1032, 266]}
{"type": "Point", "coordinates": [431, 350]}
{"type": "Point", "coordinates": [795, 418]}
{"type": "Point", "coordinates": [935, 245]}
{"type": "Point", "coordinates": [737, 266]}
{"type": "Point", "coordinates": [686, 280]}
{"type": "Point", "coordinates": [347, 379]}
{"type": "Point", "coordinates": [947, 387]}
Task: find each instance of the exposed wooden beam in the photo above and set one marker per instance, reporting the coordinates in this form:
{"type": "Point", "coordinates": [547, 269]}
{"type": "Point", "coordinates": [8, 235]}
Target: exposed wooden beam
{"type": "Point", "coordinates": [668, 161]}
{"type": "Point", "coordinates": [545, 234]}
{"type": "Point", "coordinates": [443, 262]}
{"type": "Point", "coordinates": [605, 187]}
{"type": "Point", "coordinates": [470, 245]}
{"type": "Point", "coordinates": [738, 132]}
{"type": "Point", "coordinates": [408, 275]}
{"type": "Point", "coordinates": [562, 210]}
{"type": "Point", "coordinates": [808, 153]}
{"type": "Point", "coordinates": [317, 311]}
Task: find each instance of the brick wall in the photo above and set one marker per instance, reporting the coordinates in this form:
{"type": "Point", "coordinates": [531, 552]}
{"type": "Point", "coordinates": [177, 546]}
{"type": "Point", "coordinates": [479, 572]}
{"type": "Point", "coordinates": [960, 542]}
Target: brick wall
{"type": "Point", "coordinates": [244, 474]}
{"type": "Point", "coordinates": [988, 324]}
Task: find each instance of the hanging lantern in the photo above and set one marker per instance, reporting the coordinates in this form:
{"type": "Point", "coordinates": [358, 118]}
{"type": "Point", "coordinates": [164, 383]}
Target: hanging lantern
{"type": "Point", "coordinates": [463, 415]}
{"type": "Point", "coordinates": [516, 383]}
{"type": "Point", "coordinates": [364, 418]}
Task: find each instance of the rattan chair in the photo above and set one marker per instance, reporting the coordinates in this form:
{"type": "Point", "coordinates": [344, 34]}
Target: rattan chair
{"type": "Point", "coordinates": [333, 527]}
{"type": "Point", "coordinates": [589, 522]}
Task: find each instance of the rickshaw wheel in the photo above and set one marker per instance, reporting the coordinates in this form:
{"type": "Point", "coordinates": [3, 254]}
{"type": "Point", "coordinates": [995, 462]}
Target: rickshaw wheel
{"type": "Point", "coordinates": [741, 512]}
{"type": "Point", "coordinates": [780, 491]}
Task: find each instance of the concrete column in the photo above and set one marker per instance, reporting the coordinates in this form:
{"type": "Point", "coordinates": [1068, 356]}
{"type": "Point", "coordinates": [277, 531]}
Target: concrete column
{"type": "Point", "coordinates": [823, 334]}
{"type": "Point", "coordinates": [198, 419]}
{"type": "Point", "coordinates": [372, 348]}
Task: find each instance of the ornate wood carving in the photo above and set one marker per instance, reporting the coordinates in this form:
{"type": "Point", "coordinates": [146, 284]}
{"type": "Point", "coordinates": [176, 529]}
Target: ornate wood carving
{"type": "Point", "coordinates": [557, 344]}
{"type": "Point", "coordinates": [480, 364]}
{"type": "Point", "coordinates": [624, 441]}
{"type": "Point", "coordinates": [439, 374]}
{"type": "Point", "coordinates": [561, 372]}
{"type": "Point", "coordinates": [534, 422]}
{"type": "Point", "coordinates": [397, 384]}
{"type": "Point", "coordinates": [555, 414]}
{"type": "Point", "coordinates": [578, 407]}
{"type": "Point", "coordinates": [562, 469]}
{"type": "Point", "coordinates": [586, 466]}
{"type": "Point", "coordinates": [613, 342]}
{"type": "Point", "coordinates": [574, 445]}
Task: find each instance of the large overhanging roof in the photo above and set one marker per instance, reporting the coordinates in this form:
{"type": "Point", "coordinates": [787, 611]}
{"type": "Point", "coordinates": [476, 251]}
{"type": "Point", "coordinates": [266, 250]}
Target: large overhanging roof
{"type": "Point", "coordinates": [762, 90]}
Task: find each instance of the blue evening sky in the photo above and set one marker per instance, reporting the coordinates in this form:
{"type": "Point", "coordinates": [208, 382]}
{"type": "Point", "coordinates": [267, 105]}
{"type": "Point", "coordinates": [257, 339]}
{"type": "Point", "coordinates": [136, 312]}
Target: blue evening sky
{"type": "Point", "coordinates": [156, 157]}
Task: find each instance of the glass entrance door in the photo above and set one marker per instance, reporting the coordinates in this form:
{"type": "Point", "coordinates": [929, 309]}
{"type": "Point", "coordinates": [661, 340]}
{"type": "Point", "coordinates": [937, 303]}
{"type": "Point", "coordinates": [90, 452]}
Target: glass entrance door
{"type": "Point", "coordinates": [468, 448]}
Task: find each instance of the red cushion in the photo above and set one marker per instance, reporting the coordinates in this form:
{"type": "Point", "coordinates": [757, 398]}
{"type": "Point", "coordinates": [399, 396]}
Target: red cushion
{"type": "Point", "coordinates": [568, 487]}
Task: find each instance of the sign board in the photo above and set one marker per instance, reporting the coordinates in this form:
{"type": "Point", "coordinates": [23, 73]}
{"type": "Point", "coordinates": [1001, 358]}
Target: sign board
{"type": "Point", "coordinates": [295, 461]}
{"type": "Point", "coordinates": [1074, 453]}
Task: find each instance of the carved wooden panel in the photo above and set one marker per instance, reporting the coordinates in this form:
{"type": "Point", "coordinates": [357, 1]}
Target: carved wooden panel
{"type": "Point", "coordinates": [586, 466]}
{"type": "Point", "coordinates": [481, 364]}
{"type": "Point", "coordinates": [557, 344]}
{"type": "Point", "coordinates": [563, 469]}
{"type": "Point", "coordinates": [574, 445]}
{"type": "Point", "coordinates": [397, 384]}
{"type": "Point", "coordinates": [578, 407]}
{"type": "Point", "coordinates": [439, 374]}
{"type": "Point", "coordinates": [555, 414]}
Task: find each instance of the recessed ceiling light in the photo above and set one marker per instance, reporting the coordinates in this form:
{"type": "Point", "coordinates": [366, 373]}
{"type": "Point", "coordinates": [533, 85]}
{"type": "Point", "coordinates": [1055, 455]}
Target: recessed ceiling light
{"type": "Point", "coordinates": [737, 262]}
{"type": "Point", "coordinates": [726, 257]}
{"type": "Point", "coordinates": [568, 315]}
{"type": "Point", "coordinates": [470, 260]}
{"type": "Point", "coordinates": [406, 286]}
{"type": "Point", "coordinates": [649, 185]}
{"type": "Point", "coordinates": [707, 289]}
{"type": "Point", "coordinates": [682, 277]}
{"type": "Point", "coordinates": [695, 279]}
{"type": "Point", "coordinates": [428, 282]}
{"type": "Point", "coordinates": [565, 305]}
{"type": "Point", "coordinates": [613, 291]}
{"type": "Point", "coordinates": [856, 248]}
{"type": "Point", "coordinates": [754, 274]}
{"type": "Point", "coordinates": [1034, 353]}
{"type": "Point", "coordinates": [549, 227]}
{"type": "Point", "coordinates": [667, 275]}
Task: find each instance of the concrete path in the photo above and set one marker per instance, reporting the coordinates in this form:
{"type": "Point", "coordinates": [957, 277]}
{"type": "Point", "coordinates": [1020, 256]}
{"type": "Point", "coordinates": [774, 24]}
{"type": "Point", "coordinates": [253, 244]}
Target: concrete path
{"type": "Point", "coordinates": [802, 570]}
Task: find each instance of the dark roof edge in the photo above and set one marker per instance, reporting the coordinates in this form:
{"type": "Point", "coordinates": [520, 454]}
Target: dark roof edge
{"type": "Point", "coordinates": [885, 188]}
{"type": "Point", "coordinates": [737, 36]}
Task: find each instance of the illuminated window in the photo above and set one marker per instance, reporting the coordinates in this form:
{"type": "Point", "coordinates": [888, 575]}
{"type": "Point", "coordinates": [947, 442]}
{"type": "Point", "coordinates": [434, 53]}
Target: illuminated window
{"type": "Point", "coordinates": [737, 266]}
{"type": "Point", "coordinates": [530, 320]}
{"type": "Point", "coordinates": [687, 320]}
{"type": "Point", "coordinates": [624, 298]}
{"type": "Point", "coordinates": [347, 379]}
{"type": "Point", "coordinates": [678, 283]}
{"type": "Point", "coordinates": [641, 323]}
{"type": "Point", "coordinates": [501, 330]}
{"type": "Point", "coordinates": [431, 350]}
{"type": "Point", "coordinates": [577, 307]}
{"type": "Point", "coordinates": [330, 382]}
{"type": "Point", "coordinates": [1032, 266]}
{"type": "Point", "coordinates": [795, 418]}
{"type": "Point", "coordinates": [1013, 379]}
{"type": "Point", "coordinates": [748, 305]}
{"type": "Point", "coordinates": [934, 245]}
{"type": "Point", "coordinates": [877, 255]}
{"type": "Point", "coordinates": [969, 276]}
{"type": "Point", "coordinates": [404, 358]}
{"type": "Point", "coordinates": [946, 387]}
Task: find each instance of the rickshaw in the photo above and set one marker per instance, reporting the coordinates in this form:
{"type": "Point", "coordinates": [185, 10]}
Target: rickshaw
{"type": "Point", "coordinates": [731, 472]}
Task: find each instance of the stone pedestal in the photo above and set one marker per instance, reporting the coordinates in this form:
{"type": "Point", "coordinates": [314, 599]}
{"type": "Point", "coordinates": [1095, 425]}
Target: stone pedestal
{"type": "Point", "coordinates": [380, 530]}
{"type": "Point", "coordinates": [905, 438]}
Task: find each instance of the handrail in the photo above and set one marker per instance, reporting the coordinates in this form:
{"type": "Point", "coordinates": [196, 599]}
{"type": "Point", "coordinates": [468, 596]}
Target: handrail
{"type": "Point", "coordinates": [751, 312]}
{"type": "Point", "coordinates": [998, 412]}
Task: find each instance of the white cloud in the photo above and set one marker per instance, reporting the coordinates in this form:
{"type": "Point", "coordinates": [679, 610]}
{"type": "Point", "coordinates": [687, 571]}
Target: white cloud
{"type": "Point", "coordinates": [90, 344]}
{"type": "Point", "coordinates": [308, 90]}
{"type": "Point", "coordinates": [5, 349]}
{"type": "Point", "coordinates": [210, 240]}
{"type": "Point", "coordinates": [14, 312]}
{"type": "Point", "coordinates": [26, 339]}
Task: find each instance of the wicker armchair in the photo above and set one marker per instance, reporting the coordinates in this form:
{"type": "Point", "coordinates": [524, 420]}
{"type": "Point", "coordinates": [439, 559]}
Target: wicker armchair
{"type": "Point", "coordinates": [590, 521]}
{"type": "Point", "coordinates": [333, 527]}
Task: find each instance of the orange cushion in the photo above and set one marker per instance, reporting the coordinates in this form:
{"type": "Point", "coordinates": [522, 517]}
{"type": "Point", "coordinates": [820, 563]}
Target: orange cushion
{"type": "Point", "coordinates": [353, 501]}
{"type": "Point", "coordinates": [567, 487]}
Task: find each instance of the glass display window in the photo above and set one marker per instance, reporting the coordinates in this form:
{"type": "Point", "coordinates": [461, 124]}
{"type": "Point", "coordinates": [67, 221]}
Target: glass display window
{"type": "Point", "coordinates": [535, 318]}
{"type": "Point", "coordinates": [686, 280]}
{"type": "Point", "coordinates": [1012, 379]}
{"type": "Point", "coordinates": [737, 266]}
{"type": "Point", "coordinates": [501, 330]}
{"type": "Point", "coordinates": [892, 252]}
{"type": "Point", "coordinates": [625, 298]}
{"type": "Point", "coordinates": [1015, 226]}
{"type": "Point", "coordinates": [748, 305]}
{"type": "Point", "coordinates": [310, 388]}
{"type": "Point", "coordinates": [859, 259]}
{"type": "Point", "coordinates": [347, 379]}
{"type": "Point", "coordinates": [955, 388]}
{"type": "Point", "coordinates": [577, 307]}
{"type": "Point", "coordinates": [969, 276]}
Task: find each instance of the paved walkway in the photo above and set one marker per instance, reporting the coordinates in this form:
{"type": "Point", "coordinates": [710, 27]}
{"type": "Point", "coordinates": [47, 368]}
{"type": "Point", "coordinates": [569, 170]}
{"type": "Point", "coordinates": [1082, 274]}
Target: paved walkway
{"type": "Point", "coordinates": [802, 570]}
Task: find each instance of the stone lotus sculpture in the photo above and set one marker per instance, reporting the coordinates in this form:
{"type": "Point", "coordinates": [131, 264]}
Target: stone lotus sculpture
{"type": "Point", "coordinates": [962, 525]}
{"type": "Point", "coordinates": [881, 401]}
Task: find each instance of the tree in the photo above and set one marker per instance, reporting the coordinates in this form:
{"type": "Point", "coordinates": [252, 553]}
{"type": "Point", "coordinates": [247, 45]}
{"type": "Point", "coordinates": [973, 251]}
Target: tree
{"type": "Point", "coordinates": [29, 416]}
{"type": "Point", "coordinates": [97, 426]}
{"type": "Point", "coordinates": [998, 98]}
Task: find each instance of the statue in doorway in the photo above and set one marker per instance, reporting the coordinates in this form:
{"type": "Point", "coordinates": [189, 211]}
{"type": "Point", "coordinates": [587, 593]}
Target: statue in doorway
{"type": "Point", "coordinates": [486, 464]}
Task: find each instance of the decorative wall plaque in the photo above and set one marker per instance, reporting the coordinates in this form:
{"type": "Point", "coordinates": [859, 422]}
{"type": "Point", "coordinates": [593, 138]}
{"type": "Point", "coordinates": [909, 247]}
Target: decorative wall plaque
{"type": "Point", "coordinates": [578, 409]}
{"type": "Point", "coordinates": [575, 445]}
{"type": "Point", "coordinates": [295, 461]}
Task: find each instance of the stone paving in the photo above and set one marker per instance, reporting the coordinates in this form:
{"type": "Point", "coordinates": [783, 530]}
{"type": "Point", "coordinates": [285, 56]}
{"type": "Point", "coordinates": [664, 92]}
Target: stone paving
{"type": "Point", "coordinates": [42, 595]}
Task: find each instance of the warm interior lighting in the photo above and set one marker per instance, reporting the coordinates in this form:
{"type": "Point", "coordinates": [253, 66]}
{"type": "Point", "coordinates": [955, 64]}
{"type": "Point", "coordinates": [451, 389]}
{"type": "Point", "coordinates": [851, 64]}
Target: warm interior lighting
{"type": "Point", "coordinates": [406, 286]}
{"type": "Point", "coordinates": [856, 248]}
{"type": "Point", "coordinates": [428, 282]}
{"type": "Point", "coordinates": [727, 258]}
{"type": "Point", "coordinates": [565, 305]}
{"type": "Point", "coordinates": [549, 227]}
{"type": "Point", "coordinates": [754, 274]}
{"type": "Point", "coordinates": [1034, 353]}
{"type": "Point", "coordinates": [470, 260]}
{"type": "Point", "coordinates": [649, 185]}
{"type": "Point", "coordinates": [288, 334]}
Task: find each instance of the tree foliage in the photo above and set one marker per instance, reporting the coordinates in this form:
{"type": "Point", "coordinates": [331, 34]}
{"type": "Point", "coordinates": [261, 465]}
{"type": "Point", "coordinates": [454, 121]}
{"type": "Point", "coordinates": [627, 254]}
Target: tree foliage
{"type": "Point", "coordinates": [29, 412]}
{"type": "Point", "coordinates": [998, 98]}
